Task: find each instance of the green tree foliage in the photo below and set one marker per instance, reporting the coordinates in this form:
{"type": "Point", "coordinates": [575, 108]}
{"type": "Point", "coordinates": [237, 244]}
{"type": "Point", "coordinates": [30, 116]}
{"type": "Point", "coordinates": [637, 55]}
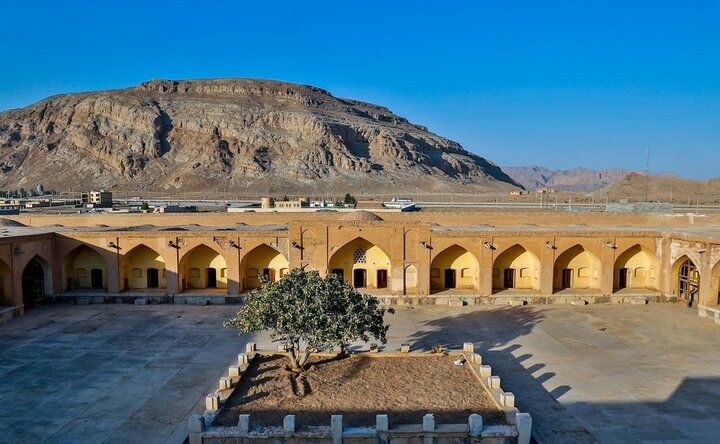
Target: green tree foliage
{"type": "Point", "coordinates": [144, 206]}
{"type": "Point", "coordinates": [306, 312]}
{"type": "Point", "coordinates": [349, 199]}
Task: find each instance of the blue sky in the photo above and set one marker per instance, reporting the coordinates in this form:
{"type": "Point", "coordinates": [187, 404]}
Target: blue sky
{"type": "Point", "coordinates": [559, 84]}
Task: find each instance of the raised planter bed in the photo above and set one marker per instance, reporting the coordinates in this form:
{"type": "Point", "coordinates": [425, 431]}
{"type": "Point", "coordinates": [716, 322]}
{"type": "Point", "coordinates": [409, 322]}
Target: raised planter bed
{"type": "Point", "coordinates": [369, 397]}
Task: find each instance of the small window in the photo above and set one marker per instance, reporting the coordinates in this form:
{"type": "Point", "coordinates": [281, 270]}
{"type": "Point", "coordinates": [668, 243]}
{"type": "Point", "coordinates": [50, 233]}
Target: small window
{"type": "Point", "coordinates": [222, 272]}
{"type": "Point", "coordinates": [583, 272]}
{"type": "Point", "coordinates": [466, 272]}
{"type": "Point", "coordinates": [360, 256]}
{"type": "Point", "coordinates": [524, 272]}
{"type": "Point", "coordinates": [137, 272]}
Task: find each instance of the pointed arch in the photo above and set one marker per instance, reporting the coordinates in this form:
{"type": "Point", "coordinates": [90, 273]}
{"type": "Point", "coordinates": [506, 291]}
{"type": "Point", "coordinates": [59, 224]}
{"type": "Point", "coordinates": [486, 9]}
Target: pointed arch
{"type": "Point", "coordinates": [6, 285]}
{"type": "Point", "coordinates": [361, 263]}
{"type": "Point", "coordinates": [36, 281]}
{"type": "Point", "coordinates": [637, 267]}
{"type": "Point", "coordinates": [516, 267]}
{"type": "Point", "coordinates": [84, 268]}
{"type": "Point", "coordinates": [686, 277]}
{"type": "Point", "coordinates": [262, 260]}
{"type": "Point", "coordinates": [142, 268]}
{"type": "Point", "coordinates": [577, 268]}
{"type": "Point", "coordinates": [203, 267]}
{"type": "Point", "coordinates": [454, 267]}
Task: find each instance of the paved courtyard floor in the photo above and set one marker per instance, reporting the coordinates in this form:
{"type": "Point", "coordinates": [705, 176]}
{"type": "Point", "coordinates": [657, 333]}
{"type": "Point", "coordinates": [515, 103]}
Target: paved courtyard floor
{"type": "Point", "coordinates": [127, 374]}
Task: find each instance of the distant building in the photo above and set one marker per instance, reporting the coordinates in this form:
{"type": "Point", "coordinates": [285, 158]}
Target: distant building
{"type": "Point", "coordinates": [96, 199]}
{"type": "Point", "coordinates": [40, 190]}
{"type": "Point", "coordinates": [176, 209]}
{"type": "Point", "coordinates": [546, 190]}
{"type": "Point", "coordinates": [519, 192]}
{"type": "Point", "coordinates": [295, 203]}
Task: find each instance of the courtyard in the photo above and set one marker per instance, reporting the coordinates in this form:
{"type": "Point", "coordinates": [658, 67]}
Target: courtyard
{"type": "Point", "coordinates": [125, 373]}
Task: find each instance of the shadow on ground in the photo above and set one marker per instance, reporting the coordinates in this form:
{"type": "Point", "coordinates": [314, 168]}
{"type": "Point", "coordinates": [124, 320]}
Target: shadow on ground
{"type": "Point", "coordinates": [493, 332]}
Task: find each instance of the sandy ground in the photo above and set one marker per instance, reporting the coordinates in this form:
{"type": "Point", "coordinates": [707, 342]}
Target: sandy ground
{"type": "Point", "coordinates": [405, 388]}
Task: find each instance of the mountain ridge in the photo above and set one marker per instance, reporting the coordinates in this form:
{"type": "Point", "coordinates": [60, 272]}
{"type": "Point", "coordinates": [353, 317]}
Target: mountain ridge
{"type": "Point", "coordinates": [249, 135]}
{"type": "Point", "coordinates": [578, 179]}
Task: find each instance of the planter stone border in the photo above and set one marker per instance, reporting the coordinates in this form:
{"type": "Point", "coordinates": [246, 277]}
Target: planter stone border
{"type": "Point", "coordinates": [202, 429]}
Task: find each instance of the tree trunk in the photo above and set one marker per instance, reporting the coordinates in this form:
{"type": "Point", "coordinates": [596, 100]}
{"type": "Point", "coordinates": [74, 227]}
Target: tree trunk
{"type": "Point", "coordinates": [304, 358]}
{"type": "Point", "coordinates": [294, 361]}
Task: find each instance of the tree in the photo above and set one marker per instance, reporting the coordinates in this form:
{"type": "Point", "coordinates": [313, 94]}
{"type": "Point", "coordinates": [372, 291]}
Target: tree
{"type": "Point", "coordinates": [305, 312]}
{"type": "Point", "coordinates": [349, 199]}
{"type": "Point", "coordinates": [144, 206]}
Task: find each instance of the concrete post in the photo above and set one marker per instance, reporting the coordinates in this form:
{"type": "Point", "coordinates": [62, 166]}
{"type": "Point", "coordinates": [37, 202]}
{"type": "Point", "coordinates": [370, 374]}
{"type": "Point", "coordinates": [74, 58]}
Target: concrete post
{"type": "Point", "coordinates": [250, 348]}
{"type": "Point", "coordinates": [523, 422]}
{"type": "Point", "coordinates": [428, 423]}
{"type": "Point", "coordinates": [289, 426]}
{"type": "Point", "coordinates": [212, 402]}
{"type": "Point", "coordinates": [243, 425]}
{"type": "Point", "coordinates": [381, 428]}
{"type": "Point", "coordinates": [507, 399]}
{"type": "Point", "coordinates": [475, 422]}
{"type": "Point", "coordinates": [225, 383]}
{"type": "Point", "coordinates": [485, 371]}
{"type": "Point", "coordinates": [428, 426]}
{"type": "Point", "coordinates": [468, 347]}
{"type": "Point", "coordinates": [405, 348]}
{"type": "Point", "coordinates": [475, 358]}
{"type": "Point", "coordinates": [234, 371]}
{"type": "Point", "coordinates": [242, 359]}
{"type": "Point", "coordinates": [336, 428]}
{"type": "Point", "coordinates": [196, 427]}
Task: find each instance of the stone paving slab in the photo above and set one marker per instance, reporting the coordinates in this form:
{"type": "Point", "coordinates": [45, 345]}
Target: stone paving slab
{"type": "Point", "coordinates": [123, 373]}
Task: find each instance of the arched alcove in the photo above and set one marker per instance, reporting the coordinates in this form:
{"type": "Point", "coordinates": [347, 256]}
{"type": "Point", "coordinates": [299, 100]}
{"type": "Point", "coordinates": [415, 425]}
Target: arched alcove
{"type": "Point", "coordinates": [263, 260]}
{"type": "Point", "coordinates": [516, 268]}
{"type": "Point", "coordinates": [84, 269]}
{"type": "Point", "coordinates": [576, 268]}
{"type": "Point", "coordinates": [636, 268]}
{"type": "Point", "coordinates": [203, 268]}
{"type": "Point", "coordinates": [454, 267]}
{"type": "Point", "coordinates": [143, 268]}
{"type": "Point", "coordinates": [36, 282]}
{"type": "Point", "coordinates": [362, 264]}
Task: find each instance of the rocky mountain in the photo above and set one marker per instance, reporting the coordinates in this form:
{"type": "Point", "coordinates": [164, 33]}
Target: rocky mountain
{"type": "Point", "coordinates": [583, 180]}
{"type": "Point", "coordinates": [244, 136]}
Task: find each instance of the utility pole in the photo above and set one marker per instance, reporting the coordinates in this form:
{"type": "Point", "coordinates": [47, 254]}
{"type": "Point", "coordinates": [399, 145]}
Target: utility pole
{"type": "Point", "coordinates": [647, 174]}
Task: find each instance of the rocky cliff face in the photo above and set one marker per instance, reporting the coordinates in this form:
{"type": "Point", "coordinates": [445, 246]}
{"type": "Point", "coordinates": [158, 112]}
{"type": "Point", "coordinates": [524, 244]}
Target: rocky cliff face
{"type": "Point", "coordinates": [234, 135]}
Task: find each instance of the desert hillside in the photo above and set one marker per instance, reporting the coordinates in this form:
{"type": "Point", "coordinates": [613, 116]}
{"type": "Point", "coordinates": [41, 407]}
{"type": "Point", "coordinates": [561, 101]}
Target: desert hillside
{"type": "Point", "coordinates": [580, 180]}
{"type": "Point", "coordinates": [663, 189]}
{"type": "Point", "coordinates": [237, 135]}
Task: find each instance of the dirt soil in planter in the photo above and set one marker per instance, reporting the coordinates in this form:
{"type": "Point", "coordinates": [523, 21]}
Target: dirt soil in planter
{"type": "Point", "coordinates": [360, 387]}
